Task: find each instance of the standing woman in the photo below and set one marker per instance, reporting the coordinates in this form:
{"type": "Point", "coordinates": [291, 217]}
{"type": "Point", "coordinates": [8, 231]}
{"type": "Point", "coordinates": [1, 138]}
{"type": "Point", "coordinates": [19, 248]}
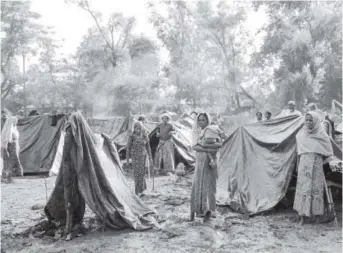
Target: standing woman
{"type": "Point", "coordinates": [203, 195]}
{"type": "Point", "coordinates": [313, 146]}
{"type": "Point", "coordinates": [10, 150]}
{"type": "Point", "coordinates": [138, 148]}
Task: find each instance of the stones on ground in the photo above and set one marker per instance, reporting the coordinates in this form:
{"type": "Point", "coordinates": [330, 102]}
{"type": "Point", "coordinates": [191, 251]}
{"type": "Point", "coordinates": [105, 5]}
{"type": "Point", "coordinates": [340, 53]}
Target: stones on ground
{"type": "Point", "coordinates": [37, 207]}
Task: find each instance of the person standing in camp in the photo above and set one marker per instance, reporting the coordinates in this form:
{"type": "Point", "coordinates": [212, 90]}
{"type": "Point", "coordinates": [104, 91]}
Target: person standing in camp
{"type": "Point", "coordinates": [10, 150]}
{"type": "Point", "coordinates": [164, 156]}
{"type": "Point", "coordinates": [313, 146]}
{"type": "Point", "coordinates": [137, 149]}
{"type": "Point", "coordinates": [203, 194]}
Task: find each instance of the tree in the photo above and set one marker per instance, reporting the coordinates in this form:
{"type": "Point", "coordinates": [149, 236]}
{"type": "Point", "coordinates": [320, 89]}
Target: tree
{"type": "Point", "coordinates": [225, 36]}
{"type": "Point", "coordinates": [303, 37]}
{"type": "Point", "coordinates": [20, 29]}
{"type": "Point", "coordinates": [175, 30]}
{"type": "Point", "coordinates": [115, 35]}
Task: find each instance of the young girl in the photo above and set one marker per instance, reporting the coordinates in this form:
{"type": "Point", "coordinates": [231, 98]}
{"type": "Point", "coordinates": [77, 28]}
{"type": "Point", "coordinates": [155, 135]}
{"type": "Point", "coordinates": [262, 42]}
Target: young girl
{"type": "Point", "coordinates": [138, 148]}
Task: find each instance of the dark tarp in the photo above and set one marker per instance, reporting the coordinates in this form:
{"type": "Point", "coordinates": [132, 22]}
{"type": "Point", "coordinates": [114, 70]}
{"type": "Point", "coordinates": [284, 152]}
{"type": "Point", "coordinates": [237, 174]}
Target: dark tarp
{"type": "Point", "coordinates": [93, 172]}
{"type": "Point", "coordinates": [38, 141]}
{"type": "Point", "coordinates": [256, 164]}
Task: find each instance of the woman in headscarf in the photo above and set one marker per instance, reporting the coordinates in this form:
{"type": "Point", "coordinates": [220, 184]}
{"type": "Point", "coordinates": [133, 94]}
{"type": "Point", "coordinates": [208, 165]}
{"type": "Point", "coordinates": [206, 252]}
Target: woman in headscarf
{"type": "Point", "coordinates": [10, 150]}
{"type": "Point", "coordinates": [164, 156]}
{"type": "Point", "coordinates": [203, 195]}
{"type": "Point", "coordinates": [313, 146]}
{"type": "Point", "coordinates": [137, 149]}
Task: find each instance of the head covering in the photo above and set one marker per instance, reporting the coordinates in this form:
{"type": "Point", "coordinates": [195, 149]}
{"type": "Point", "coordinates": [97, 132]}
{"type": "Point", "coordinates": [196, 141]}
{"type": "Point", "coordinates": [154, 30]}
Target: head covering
{"type": "Point", "coordinates": [165, 114]}
{"type": "Point", "coordinates": [141, 126]}
{"type": "Point", "coordinates": [314, 140]}
{"type": "Point", "coordinates": [312, 107]}
{"type": "Point", "coordinates": [9, 132]}
{"type": "Point", "coordinates": [196, 131]}
{"type": "Point", "coordinates": [291, 103]}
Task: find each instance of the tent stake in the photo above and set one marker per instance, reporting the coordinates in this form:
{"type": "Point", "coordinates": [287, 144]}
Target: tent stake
{"type": "Point", "coordinates": [330, 202]}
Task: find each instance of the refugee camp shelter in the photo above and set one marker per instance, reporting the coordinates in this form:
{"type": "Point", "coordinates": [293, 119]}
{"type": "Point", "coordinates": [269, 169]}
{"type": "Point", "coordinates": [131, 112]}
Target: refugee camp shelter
{"type": "Point", "coordinates": [92, 175]}
{"type": "Point", "coordinates": [257, 162]}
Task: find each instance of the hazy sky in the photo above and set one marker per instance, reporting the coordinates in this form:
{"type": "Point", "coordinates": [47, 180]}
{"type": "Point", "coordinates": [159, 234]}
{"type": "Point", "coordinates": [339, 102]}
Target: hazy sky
{"type": "Point", "coordinates": [71, 22]}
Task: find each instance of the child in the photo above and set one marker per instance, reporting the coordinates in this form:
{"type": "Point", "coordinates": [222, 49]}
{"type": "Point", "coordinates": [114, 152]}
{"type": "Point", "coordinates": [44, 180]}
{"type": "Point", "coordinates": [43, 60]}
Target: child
{"type": "Point", "coordinates": [212, 136]}
{"type": "Point", "coordinates": [179, 172]}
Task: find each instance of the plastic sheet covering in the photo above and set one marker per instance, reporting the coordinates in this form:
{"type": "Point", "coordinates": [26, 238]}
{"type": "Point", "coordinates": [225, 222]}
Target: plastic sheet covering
{"type": "Point", "coordinates": [110, 126]}
{"type": "Point", "coordinates": [256, 163]}
{"type": "Point", "coordinates": [38, 142]}
{"type": "Point", "coordinates": [97, 178]}
{"type": "Point", "coordinates": [58, 157]}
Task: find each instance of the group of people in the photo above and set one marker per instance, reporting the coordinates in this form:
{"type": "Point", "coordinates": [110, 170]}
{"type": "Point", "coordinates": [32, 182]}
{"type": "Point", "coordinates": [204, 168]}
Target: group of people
{"type": "Point", "coordinates": [268, 115]}
{"type": "Point", "coordinates": [139, 151]}
{"type": "Point", "coordinates": [207, 141]}
{"type": "Point", "coordinates": [313, 147]}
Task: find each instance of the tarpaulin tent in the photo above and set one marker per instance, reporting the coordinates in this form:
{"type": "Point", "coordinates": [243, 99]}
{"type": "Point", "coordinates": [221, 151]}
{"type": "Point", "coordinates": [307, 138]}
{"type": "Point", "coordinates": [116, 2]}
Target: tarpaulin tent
{"type": "Point", "coordinates": [256, 164]}
{"type": "Point", "coordinates": [38, 141]}
{"type": "Point", "coordinates": [91, 174]}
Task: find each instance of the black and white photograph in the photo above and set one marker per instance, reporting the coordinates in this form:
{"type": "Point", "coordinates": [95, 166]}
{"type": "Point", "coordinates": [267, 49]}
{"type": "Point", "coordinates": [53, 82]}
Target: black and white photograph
{"type": "Point", "coordinates": [171, 126]}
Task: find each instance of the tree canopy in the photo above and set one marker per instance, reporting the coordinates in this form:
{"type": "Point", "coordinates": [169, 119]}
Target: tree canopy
{"type": "Point", "coordinates": [216, 60]}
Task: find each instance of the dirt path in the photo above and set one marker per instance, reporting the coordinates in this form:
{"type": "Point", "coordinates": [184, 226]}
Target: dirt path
{"type": "Point", "coordinates": [272, 233]}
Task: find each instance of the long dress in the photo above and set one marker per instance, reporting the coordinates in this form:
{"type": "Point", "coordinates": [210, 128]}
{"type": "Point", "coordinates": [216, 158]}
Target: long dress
{"type": "Point", "coordinates": [309, 196]}
{"type": "Point", "coordinates": [164, 156]}
{"type": "Point", "coordinates": [203, 195]}
{"type": "Point", "coordinates": [137, 146]}
{"type": "Point", "coordinates": [12, 165]}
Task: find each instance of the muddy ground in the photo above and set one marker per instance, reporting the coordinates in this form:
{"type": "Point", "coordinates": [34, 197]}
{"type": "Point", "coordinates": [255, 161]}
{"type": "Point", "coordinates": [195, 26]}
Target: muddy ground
{"type": "Point", "coordinates": [228, 232]}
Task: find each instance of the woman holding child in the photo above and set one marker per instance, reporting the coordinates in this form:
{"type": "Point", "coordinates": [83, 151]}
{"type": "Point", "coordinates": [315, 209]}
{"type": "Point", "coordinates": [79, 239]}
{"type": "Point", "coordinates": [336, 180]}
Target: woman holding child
{"type": "Point", "coordinates": [203, 195]}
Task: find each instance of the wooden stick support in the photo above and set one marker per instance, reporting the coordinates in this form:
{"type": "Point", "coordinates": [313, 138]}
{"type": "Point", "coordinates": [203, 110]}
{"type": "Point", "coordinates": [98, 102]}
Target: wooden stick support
{"type": "Point", "coordinates": [330, 201]}
{"type": "Point", "coordinates": [68, 184]}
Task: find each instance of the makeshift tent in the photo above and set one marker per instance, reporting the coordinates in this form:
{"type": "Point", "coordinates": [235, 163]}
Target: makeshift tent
{"type": "Point", "coordinates": [38, 140]}
{"type": "Point", "coordinates": [91, 174]}
{"type": "Point", "coordinates": [256, 164]}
